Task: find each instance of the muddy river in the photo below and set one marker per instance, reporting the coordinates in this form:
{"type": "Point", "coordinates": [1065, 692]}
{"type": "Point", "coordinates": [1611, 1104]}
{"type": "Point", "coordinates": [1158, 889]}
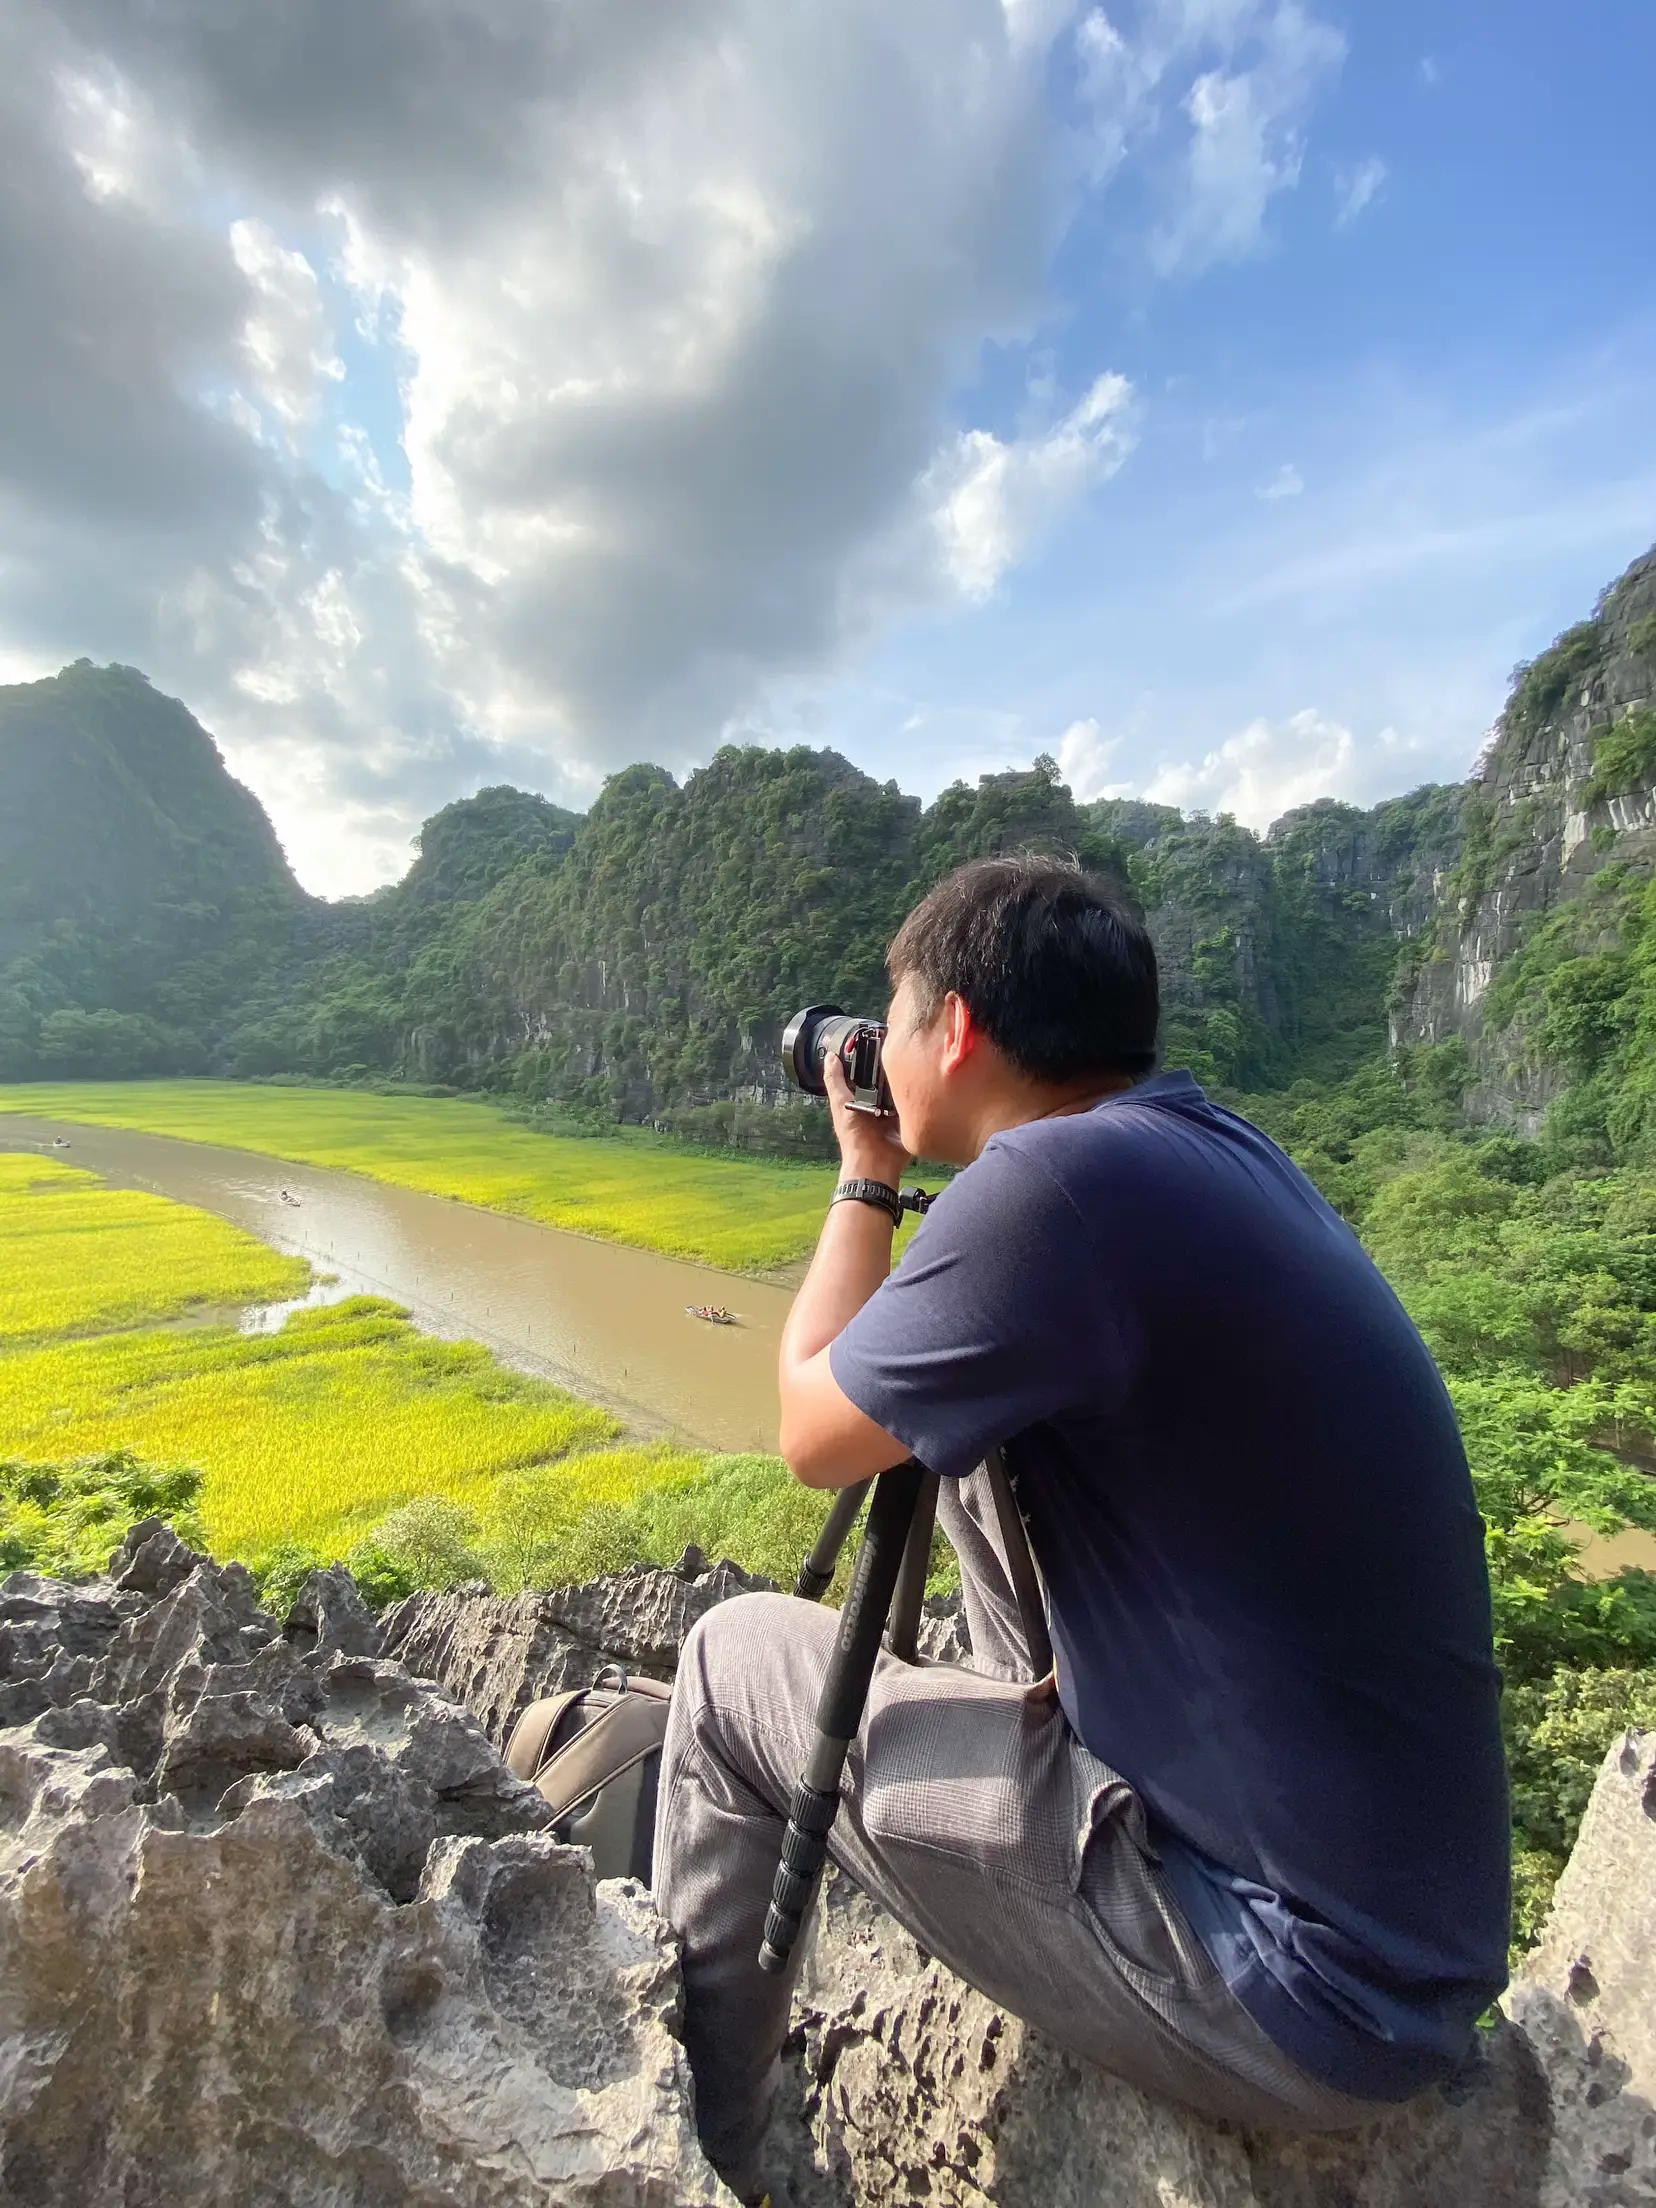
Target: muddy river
{"type": "Point", "coordinates": [607, 1322]}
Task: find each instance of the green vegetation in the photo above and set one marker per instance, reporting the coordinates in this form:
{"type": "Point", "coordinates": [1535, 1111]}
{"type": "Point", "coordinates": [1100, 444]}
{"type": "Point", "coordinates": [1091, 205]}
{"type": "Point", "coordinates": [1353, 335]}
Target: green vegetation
{"type": "Point", "coordinates": [634, 966]}
{"type": "Point", "coordinates": [1624, 756]}
{"type": "Point", "coordinates": [77, 1257]}
{"type": "Point", "coordinates": [1541, 687]}
{"type": "Point", "coordinates": [68, 1519]}
{"type": "Point", "coordinates": [627, 1187]}
{"type": "Point", "coordinates": [144, 900]}
{"type": "Point", "coordinates": [1579, 996]}
{"type": "Point", "coordinates": [307, 1434]}
{"type": "Point", "coordinates": [346, 1434]}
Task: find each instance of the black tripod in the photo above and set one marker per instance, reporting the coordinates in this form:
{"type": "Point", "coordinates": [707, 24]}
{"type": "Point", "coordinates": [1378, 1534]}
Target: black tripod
{"type": "Point", "coordinates": [889, 1581]}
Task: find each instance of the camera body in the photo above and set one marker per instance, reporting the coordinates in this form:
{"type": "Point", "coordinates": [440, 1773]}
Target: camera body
{"type": "Point", "coordinates": [857, 1044]}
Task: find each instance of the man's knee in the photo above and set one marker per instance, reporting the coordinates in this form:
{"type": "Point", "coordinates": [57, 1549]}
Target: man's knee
{"type": "Point", "coordinates": [742, 1652]}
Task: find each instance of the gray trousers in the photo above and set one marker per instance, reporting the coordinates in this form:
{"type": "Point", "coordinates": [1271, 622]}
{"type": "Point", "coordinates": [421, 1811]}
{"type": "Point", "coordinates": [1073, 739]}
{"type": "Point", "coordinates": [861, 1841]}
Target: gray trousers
{"type": "Point", "coordinates": [973, 1814]}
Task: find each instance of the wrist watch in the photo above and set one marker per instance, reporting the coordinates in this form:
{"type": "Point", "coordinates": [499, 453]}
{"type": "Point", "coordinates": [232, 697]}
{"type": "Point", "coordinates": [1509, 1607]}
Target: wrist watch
{"type": "Point", "coordinates": [878, 1193]}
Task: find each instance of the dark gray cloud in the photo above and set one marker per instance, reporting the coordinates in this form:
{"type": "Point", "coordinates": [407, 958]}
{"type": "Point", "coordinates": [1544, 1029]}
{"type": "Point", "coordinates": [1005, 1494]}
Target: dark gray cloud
{"type": "Point", "coordinates": [663, 301]}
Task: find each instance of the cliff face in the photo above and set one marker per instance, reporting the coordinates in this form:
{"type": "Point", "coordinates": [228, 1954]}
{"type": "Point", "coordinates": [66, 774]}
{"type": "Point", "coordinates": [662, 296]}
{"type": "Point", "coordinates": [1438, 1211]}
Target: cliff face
{"type": "Point", "coordinates": [1566, 790]}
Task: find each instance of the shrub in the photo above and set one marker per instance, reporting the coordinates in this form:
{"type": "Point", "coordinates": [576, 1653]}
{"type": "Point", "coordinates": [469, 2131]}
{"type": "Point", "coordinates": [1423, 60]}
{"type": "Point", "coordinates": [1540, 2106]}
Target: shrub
{"type": "Point", "coordinates": [1558, 1730]}
{"type": "Point", "coordinates": [68, 1519]}
{"type": "Point", "coordinates": [429, 1541]}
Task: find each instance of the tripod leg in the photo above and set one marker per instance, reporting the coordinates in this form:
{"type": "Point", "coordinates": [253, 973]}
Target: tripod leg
{"type": "Point", "coordinates": [1020, 1564]}
{"type": "Point", "coordinates": [903, 1638]}
{"type": "Point", "coordinates": [816, 1574]}
{"type": "Point", "coordinates": [839, 1710]}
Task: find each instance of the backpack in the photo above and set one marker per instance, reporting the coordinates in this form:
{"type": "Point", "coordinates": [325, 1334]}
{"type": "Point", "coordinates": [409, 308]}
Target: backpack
{"type": "Point", "coordinates": [595, 1755]}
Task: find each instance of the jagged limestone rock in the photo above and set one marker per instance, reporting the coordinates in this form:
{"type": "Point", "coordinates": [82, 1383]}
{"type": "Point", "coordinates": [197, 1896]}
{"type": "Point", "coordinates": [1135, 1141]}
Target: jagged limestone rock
{"type": "Point", "coordinates": [278, 1927]}
{"type": "Point", "coordinates": [904, 2084]}
{"type": "Point", "coordinates": [497, 1654]}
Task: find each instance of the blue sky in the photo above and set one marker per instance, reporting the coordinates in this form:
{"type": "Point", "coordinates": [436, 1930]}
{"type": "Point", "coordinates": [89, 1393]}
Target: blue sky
{"type": "Point", "coordinates": [1220, 394]}
{"type": "Point", "coordinates": [1393, 449]}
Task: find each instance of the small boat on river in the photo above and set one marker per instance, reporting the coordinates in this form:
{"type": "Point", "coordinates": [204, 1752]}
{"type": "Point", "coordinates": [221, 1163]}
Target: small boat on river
{"type": "Point", "coordinates": [714, 1313]}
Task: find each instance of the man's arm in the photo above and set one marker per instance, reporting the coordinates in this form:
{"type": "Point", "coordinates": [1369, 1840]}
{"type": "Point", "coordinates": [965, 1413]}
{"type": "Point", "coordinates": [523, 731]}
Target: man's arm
{"type": "Point", "coordinates": [826, 1440]}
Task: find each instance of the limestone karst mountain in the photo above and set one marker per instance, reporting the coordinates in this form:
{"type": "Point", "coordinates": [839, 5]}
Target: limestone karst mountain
{"type": "Point", "coordinates": [1557, 837]}
{"type": "Point", "coordinates": [639, 962]}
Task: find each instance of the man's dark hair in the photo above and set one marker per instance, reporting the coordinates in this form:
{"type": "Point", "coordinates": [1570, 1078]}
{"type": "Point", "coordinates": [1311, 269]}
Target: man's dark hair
{"type": "Point", "coordinates": [1052, 965]}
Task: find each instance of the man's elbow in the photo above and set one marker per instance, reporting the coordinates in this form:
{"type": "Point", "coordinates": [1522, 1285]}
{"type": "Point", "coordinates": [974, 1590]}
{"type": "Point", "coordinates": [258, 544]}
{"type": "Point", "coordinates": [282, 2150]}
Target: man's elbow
{"type": "Point", "coordinates": [811, 1464]}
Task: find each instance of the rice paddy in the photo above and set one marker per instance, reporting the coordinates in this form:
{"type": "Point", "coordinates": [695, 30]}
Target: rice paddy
{"type": "Point", "coordinates": [630, 1187]}
{"type": "Point", "coordinates": [79, 1258]}
{"type": "Point", "coordinates": [306, 1437]}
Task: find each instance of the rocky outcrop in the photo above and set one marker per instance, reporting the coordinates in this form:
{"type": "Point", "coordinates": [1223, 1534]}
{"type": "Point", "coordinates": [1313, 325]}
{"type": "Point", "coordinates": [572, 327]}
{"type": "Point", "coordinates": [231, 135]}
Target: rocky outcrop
{"type": "Point", "coordinates": [498, 1653]}
{"type": "Point", "coordinates": [277, 1926]}
{"type": "Point", "coordinates": [903, 2084]}
{"type": "Point", "coordinates": [1537, 825]}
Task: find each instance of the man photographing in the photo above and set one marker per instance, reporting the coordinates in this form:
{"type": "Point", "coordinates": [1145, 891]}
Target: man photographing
{"type": "Point", "coordinates": [1248, 1847]}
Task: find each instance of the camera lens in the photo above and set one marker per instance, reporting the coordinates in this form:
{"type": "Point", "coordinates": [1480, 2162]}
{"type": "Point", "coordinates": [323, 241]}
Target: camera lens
{"type": "Point", "coordinates": [805, 1040]}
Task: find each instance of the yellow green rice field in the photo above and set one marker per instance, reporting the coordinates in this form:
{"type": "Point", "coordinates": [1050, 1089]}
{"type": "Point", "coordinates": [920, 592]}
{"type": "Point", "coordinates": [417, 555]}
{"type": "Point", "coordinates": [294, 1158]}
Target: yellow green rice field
{"type": "Point", "coordinates": [78, 1258]}
{"type": "Point", "coordinates": [734, 1212]}
{"type": "Point", "coordinates": [306, 1436]}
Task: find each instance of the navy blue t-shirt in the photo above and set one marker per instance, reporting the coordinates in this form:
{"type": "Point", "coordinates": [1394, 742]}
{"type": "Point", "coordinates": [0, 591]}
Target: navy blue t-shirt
{"type": "Point", "coordinates": [1247, 1494]}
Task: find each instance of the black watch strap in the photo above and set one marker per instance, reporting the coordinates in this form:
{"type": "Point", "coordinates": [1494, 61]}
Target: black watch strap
{"type": "Point", "coordinates": [878, 1193]}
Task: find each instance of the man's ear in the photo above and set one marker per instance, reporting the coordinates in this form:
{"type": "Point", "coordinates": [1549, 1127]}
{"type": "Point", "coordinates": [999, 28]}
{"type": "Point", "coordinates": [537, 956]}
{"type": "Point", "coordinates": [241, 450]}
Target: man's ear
{"type": "Point", "coordinates": [960, 1034]}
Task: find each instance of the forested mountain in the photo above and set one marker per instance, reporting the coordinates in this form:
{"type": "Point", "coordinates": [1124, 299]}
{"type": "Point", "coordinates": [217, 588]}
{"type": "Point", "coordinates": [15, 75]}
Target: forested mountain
{"type": "Point", "coordinates": [1541, 953]}
{"type": "Point", "coordinates": [640, 962]}
{"type": "Point", "coordinates": [144, 899]}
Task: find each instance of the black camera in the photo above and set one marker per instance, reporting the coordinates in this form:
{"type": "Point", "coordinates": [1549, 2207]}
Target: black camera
{"type": "Point", "coordinates": [857, 1044]}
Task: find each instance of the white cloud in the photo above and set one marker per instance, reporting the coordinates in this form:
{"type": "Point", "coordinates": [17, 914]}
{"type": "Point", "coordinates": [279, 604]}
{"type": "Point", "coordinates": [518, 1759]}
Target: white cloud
{"type": "Point", "coordinates": [660, 313]}
{"type": "Point", "coordinates": [1084, 756]}
{"type": "Point", "coordinates": [994, 500]}
{"type": "Point", "coordinates": [1430, 71]}
{"type": "Point", "coordinates": [1242, 75]}
{"type": "Point", "coordinates": [286, 337]}
{"type": "Point", "coordinates": [1355, 188]}
{"type": "Point", "coordinates": [1286, 483]}
{"type": "Point", "coordinates": [1268, 768]}
{"type": "Point", "coordinates": [1033, 26]}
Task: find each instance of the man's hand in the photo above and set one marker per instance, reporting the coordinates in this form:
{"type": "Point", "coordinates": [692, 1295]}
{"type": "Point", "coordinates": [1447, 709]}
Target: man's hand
{"type": "Point", "coordinates": [871, 1149]}
{"type": "Point", "coordinates": [827, 1441]}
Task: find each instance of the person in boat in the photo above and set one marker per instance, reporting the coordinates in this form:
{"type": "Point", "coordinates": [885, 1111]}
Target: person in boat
{"type": "Point", "coordinates": [1247, 1845]}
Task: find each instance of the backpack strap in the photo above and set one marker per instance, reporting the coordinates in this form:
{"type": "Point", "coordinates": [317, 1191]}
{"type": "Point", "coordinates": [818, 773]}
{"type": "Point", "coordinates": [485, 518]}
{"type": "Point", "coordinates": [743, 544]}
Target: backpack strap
{"type": "Point", "coordinates": [629, 1730]}
{"type": "Point", "coordinates": [533, 1732]}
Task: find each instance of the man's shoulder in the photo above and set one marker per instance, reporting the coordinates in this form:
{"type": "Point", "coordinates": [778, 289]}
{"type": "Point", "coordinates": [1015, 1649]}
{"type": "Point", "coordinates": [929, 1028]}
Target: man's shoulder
{"type": "Point", "coordinates": [1112, 1132]}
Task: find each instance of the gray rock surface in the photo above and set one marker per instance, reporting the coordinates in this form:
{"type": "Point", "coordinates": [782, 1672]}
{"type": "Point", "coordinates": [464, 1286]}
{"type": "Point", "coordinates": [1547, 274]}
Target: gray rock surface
{"type": "Point", "coordinates": [1547, 836]}
{"type": "Point", "coordinates": [277, 1926]}
{"type": "Point", "coordinates": [498, 1653]}
{"type": "Point", "coordinates": [904, 2084]}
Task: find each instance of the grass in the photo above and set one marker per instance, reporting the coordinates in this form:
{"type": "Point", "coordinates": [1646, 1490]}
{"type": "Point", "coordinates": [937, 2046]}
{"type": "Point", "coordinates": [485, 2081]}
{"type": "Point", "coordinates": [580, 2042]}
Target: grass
{"type": "Point", "coordinates": [79, 1258]}
{"type": "Point", "coordinates": [738, 1213]}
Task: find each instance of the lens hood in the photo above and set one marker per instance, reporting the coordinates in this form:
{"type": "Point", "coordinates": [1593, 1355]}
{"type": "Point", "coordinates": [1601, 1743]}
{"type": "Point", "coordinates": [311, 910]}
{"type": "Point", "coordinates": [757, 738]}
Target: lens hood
{"type": "Point", "coordinates": [801, 1059]}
